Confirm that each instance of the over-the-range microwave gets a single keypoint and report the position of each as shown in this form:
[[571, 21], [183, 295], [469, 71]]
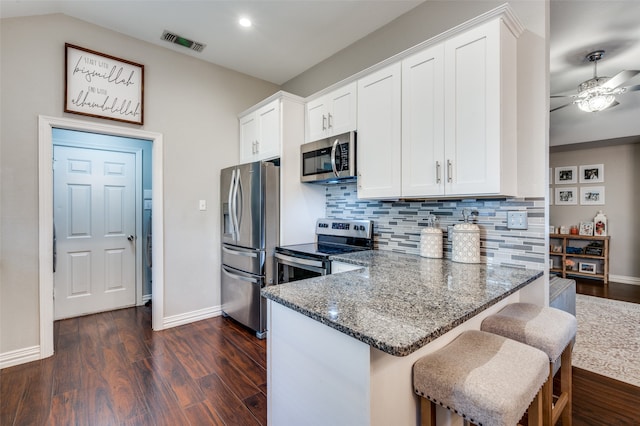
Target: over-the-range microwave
[[329, 160]]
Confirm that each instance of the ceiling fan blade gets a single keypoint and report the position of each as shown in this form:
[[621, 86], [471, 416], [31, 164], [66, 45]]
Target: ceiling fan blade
[[633, 88], [562, 96], [620, 78], [561, 106]]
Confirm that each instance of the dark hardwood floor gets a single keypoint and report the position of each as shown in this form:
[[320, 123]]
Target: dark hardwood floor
[[111, 369]]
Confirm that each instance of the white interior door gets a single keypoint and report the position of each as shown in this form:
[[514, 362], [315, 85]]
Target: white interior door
[[94, 222]]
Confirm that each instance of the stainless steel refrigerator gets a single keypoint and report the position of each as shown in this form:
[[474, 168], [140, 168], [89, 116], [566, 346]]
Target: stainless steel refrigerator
[[250, 232]]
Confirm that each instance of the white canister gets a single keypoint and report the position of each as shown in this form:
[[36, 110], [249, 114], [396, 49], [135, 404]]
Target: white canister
[[466, 243], [431, 243]]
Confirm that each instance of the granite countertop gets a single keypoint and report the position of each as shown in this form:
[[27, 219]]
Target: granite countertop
[[397, 302]]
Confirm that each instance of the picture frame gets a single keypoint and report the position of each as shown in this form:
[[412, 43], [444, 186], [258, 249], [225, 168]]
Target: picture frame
[[591, 173], [587, 268], [566, 196], [566, 175], [592, 195], [103, 86], [586, 228]]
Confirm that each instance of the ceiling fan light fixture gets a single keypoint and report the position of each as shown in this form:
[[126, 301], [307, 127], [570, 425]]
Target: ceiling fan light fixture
[[596, 102]]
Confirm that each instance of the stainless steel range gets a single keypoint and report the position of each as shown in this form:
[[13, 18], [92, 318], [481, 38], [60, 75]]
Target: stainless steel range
[[333, 236]]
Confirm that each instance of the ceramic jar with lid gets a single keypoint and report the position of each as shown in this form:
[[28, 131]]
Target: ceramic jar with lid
[[431, 239], [466, 242]]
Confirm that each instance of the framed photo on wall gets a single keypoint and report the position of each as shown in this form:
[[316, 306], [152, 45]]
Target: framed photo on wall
[[103, 86], [593, 173], [591, 195], [566, 196], [566, 175]]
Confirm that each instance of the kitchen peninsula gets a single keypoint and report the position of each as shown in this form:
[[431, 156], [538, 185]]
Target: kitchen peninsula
[[340, 347]]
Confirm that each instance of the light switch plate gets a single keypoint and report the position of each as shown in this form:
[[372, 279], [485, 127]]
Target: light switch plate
[[517, 220], [203, 205]]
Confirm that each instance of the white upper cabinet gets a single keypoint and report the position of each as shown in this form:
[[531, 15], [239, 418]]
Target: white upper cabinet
[[260, 133], [423, 100], [480, 111], [379, 132], [331, 114]]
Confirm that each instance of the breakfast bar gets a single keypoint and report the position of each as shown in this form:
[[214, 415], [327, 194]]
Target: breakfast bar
[[340, 347]]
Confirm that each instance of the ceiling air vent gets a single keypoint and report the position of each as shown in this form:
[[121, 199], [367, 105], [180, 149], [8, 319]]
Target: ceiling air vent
[[176, 39]]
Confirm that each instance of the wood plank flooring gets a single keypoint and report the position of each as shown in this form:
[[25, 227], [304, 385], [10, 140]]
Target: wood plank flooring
[[111, 369]]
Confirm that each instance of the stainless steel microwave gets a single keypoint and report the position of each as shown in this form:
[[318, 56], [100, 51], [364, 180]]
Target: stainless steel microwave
[[329, 160]]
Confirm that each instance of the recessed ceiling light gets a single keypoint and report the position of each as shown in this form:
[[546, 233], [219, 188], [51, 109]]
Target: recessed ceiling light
[[245, 22]]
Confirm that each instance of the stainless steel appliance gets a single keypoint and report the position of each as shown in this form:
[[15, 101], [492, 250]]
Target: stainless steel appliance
[[330, 160], [250, 232], [333, 236]]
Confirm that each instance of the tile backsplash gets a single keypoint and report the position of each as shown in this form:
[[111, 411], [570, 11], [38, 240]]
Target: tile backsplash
[[397, 224]]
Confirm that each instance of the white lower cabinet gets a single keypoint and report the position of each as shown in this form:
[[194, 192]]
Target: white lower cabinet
[[378, 145]]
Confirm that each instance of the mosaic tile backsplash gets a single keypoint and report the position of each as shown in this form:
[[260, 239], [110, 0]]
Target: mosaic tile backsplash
[[397, 224]]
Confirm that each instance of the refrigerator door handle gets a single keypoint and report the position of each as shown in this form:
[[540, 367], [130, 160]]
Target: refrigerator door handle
[[240, 277], [240, 253], [232, 204], [238, 202]]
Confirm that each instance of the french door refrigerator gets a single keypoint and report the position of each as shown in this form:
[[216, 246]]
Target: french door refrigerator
[[250, 232]]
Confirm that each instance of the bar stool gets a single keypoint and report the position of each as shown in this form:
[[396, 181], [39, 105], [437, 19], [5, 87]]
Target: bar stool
[[550, 330], [485, 378]]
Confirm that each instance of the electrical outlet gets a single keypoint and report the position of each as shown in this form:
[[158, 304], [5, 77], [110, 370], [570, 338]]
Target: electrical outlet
[[517, 220]]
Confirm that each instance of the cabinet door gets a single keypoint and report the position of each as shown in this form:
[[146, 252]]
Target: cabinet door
[[316, 116], [248, 138], [472, 111], [268, 118], [378, 153], [341, 115], [423, 123]]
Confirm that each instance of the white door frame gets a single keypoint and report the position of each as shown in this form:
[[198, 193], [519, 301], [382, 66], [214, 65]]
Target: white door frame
[[45, 217]]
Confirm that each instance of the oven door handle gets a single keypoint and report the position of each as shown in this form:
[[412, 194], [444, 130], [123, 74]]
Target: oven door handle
[[298, 262]]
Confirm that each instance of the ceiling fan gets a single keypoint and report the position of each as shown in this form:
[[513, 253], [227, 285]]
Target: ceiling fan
[[599, 93]]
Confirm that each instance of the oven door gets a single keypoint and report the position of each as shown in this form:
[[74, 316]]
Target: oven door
[[292, 268]]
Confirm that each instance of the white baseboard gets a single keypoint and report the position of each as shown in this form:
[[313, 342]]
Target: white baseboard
[[624, 280], [189, 317], [19, 356]]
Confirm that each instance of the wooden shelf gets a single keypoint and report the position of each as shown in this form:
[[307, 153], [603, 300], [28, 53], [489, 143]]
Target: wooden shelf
[[602, 262]]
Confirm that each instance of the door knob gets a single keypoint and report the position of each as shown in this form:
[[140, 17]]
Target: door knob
[[131, 238]]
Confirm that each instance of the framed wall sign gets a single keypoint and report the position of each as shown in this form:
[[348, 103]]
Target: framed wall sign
[[104, 86]]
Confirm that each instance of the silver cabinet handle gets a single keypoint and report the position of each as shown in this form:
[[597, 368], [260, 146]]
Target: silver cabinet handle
[[449, 171], [324, 122], [438, 179], [329, 120]]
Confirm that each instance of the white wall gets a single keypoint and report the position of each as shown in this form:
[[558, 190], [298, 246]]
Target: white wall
[[192, 103], [622, 203]]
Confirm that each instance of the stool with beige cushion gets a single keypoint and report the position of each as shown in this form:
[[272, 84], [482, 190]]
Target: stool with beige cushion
[[485, 378], [550, 330]]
